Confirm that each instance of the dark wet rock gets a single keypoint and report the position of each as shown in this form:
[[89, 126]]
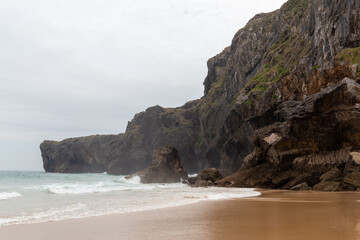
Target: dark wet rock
[[191, 180], [210, 174], [328, 186], [298, 178], [166, 167], [202, 183], [205, 178], [353, 178], [331, 175]]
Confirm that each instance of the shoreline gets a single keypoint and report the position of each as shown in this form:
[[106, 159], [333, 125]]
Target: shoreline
[[275, 214], [187, 198]]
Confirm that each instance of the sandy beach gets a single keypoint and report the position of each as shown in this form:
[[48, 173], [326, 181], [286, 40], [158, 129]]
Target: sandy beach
[[274, 215]]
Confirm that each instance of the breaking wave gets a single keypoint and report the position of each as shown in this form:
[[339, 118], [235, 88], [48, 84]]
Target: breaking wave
[[8, 195], [120, 184]]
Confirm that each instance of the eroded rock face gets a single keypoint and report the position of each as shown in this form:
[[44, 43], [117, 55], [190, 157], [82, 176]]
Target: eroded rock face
[[313, 143], [85, 154], [166, 167], [131, 151]]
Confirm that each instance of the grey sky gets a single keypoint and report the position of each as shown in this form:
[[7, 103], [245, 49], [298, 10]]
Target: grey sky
[[80, 67]]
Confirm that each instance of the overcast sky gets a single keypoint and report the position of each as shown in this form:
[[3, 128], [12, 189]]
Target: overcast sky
[[81, 67]]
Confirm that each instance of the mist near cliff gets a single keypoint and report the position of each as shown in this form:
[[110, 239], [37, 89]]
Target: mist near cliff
[[76, 68]]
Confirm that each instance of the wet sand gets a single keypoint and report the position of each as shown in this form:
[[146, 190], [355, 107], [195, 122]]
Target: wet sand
[[275, 215]]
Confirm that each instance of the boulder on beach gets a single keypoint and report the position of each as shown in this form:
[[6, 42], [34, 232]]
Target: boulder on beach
[[166, 167], [205, 178]]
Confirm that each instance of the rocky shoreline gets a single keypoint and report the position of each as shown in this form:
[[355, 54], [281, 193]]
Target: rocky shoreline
[[323, 132], [280, 109]]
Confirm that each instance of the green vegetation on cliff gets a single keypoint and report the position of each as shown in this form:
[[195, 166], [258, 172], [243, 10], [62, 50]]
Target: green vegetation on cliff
[[295, 6], [349, 55], [285, 53], [212, 98]]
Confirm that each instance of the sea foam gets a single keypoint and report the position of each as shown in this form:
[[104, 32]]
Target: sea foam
[[120, 184], [55, 214], [8, 195]]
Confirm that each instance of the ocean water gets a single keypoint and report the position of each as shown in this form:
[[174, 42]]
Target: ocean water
[[31, 197]]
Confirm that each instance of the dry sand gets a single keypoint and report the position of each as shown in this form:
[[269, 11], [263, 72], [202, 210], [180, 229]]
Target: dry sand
[[275, 215]]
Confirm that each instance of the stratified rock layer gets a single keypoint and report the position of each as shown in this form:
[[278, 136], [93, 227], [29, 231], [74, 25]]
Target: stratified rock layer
[[312, 144], [276, 65], [166, 167]]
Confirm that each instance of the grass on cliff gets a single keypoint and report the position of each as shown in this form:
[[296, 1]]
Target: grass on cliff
[[211, 99], [280, 61], [349, 55], [285, 53], [179, 115], [295, 5]]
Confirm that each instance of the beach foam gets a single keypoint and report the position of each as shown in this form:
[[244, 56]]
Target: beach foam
[[54, 214], [120, 184], [8, 195]]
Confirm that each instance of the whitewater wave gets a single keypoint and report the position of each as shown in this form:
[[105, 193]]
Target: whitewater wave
[[8, 195], [133, 180], [120, 184], [81, 188], [244, 193]]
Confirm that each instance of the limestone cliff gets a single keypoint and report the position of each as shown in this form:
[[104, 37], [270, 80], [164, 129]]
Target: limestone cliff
[[277, 59]]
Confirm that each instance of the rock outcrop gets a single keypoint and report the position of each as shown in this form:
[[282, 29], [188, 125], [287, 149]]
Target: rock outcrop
[[166, 167], [85, 154], [131, 151], [312, 144], [210, 174], [205, 178], [280, 68]]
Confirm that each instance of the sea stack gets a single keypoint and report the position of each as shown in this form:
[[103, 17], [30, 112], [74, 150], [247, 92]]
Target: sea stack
[[165, 167]]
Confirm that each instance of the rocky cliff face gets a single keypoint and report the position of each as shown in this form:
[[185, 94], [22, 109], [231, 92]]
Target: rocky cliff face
[[132, 151], [313, 145], [277, 59]]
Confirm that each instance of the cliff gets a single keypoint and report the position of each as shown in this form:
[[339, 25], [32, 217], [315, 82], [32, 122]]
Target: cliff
[[278, 60]]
